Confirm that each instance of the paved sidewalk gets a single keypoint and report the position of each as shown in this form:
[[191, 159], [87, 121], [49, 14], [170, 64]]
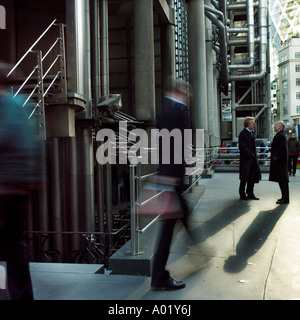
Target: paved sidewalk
[[242, 250]]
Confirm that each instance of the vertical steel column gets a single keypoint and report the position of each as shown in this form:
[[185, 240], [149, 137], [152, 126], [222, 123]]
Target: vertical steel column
[[144, 60], [43, 193], [211, 92], [168, 51], [79, 87], [268, 91], [86, 136], [56, 194], [88, 179], [197, 62], [109, 217], [105, 92], [96, 70], [233, 89], [233, 112], [72, 170], [104, 49], [96, 89], [78, 48], [168, 54]]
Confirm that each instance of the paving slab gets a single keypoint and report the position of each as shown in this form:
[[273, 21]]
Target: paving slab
[[240, 250]]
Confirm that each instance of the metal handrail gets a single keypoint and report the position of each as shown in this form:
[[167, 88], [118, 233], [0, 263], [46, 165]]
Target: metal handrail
[[52, 82], [24, 83], [135, 204], [148, 225], [113, 233], [53, 45], [150, 199], [53, 63], [191, 186], [222, 154], [30, 49], [31, 94]]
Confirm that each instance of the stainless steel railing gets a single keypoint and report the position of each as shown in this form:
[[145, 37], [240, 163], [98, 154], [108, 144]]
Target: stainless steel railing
[[217, 157], [136, 180], [40, 87]]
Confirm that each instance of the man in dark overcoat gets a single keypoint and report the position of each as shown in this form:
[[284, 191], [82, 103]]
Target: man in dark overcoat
[[279, 162], [249, 168]]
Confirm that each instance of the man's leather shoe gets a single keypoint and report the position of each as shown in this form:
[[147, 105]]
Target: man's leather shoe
[[169, 284], [252, 197], [244, 197], [281, 201]]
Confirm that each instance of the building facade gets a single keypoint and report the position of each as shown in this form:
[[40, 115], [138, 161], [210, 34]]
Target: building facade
[[98, 62], [289, 81], [284, 23]]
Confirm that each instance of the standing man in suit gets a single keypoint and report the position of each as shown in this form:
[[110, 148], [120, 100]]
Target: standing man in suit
[[279, 162], [249, 168]]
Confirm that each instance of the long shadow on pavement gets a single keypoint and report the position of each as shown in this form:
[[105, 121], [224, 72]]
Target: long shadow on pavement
[[190, 251], [219, 221], [253, 238]]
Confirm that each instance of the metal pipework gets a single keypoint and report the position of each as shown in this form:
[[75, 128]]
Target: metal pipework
[[78, 49], [251, 40], [215, 11], [210, 13], [240, 5], [96, 70], [241, 41], [105, 48], [263, 30]]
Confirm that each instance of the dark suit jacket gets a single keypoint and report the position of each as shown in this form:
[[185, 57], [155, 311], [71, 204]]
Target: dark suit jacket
[[279, 159], [249, 168], [174, 116]]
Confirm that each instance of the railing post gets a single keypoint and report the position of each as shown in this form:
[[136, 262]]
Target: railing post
[[133, 215], [41, 102], [63, 78], [135, 187], [190, 183], [138, 201]]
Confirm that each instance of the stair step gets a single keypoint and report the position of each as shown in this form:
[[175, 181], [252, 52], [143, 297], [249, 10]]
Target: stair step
[[49, 95]]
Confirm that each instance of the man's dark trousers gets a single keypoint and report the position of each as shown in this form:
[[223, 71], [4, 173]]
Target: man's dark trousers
[[249, 190]]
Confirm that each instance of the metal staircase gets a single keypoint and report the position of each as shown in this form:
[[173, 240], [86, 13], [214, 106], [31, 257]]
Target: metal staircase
[[46, 83]]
